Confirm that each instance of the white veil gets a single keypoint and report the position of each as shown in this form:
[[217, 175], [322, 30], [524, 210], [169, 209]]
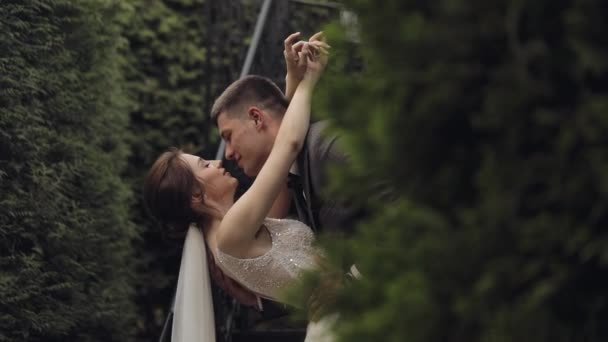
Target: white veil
[[193, 311]]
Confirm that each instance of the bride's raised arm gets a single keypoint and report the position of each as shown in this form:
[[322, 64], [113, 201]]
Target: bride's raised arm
[[296, 69], [242, 221]]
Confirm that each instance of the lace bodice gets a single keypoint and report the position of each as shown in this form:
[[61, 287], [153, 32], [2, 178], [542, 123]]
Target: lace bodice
[[291, 252]]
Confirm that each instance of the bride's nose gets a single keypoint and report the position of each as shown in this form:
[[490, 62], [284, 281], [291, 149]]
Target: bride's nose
[[216, 163]]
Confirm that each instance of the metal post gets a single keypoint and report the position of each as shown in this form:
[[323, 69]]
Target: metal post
[[255, 40], [332, 5]]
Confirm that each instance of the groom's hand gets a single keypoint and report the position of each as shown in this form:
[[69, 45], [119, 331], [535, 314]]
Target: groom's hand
[[231, 287]]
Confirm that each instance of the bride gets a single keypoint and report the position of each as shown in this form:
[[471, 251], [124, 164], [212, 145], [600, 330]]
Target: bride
[[262, 254]]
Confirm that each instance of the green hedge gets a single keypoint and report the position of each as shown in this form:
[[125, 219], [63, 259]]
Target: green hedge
[[65, 233], [489, 121], [172, 76]]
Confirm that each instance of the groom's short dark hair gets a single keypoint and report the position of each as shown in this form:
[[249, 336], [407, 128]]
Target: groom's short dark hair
[[250, 90]]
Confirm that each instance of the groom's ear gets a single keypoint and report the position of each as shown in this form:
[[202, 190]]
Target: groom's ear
[[255, 114]]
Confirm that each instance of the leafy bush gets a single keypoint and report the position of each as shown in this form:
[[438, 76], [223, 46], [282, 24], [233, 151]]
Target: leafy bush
[[489, 121], [65, 234]]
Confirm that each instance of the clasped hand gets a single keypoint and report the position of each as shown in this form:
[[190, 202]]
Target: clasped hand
[[305, 58]]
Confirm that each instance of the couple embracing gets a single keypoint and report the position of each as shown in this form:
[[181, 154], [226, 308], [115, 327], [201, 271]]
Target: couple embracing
[[253, 247]]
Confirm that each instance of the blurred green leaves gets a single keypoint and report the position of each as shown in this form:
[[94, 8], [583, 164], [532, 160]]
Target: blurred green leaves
[[488, 122], [65, 232]]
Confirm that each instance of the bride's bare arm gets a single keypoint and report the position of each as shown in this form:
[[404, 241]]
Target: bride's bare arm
[[296, 67]]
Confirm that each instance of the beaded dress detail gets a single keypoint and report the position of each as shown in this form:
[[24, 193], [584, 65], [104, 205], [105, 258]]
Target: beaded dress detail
[[291, 252]]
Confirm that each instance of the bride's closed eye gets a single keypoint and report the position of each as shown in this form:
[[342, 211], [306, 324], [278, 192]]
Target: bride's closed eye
[[204, 163]]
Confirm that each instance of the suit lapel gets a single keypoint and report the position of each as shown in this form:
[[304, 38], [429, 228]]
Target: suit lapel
[[304, 165]]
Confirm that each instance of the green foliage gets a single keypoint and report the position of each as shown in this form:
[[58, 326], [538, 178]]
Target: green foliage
[[489, 121], [176, 57], [65, 233]]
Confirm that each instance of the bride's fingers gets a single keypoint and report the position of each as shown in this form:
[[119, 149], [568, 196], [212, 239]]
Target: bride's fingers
[[289, 40], [307, 49], [321, 50], [317, 36], [302, 59], [316, 51], [298, 46], [318, 43]]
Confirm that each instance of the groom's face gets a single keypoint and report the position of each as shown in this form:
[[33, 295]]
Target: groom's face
[[246, 142]]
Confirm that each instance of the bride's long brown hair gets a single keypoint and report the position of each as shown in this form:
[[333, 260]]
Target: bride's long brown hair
[[168, 191]]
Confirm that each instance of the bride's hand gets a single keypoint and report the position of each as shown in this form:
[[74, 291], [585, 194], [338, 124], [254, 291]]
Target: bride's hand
[[295, 67], [315, 55]]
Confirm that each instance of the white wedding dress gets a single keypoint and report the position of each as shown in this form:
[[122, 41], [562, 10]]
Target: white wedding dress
[[291, 252]]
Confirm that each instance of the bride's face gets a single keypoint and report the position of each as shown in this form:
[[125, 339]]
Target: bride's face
[[217, 182]]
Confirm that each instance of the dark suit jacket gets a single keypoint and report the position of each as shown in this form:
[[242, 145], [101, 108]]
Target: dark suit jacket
[[325, 214]]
